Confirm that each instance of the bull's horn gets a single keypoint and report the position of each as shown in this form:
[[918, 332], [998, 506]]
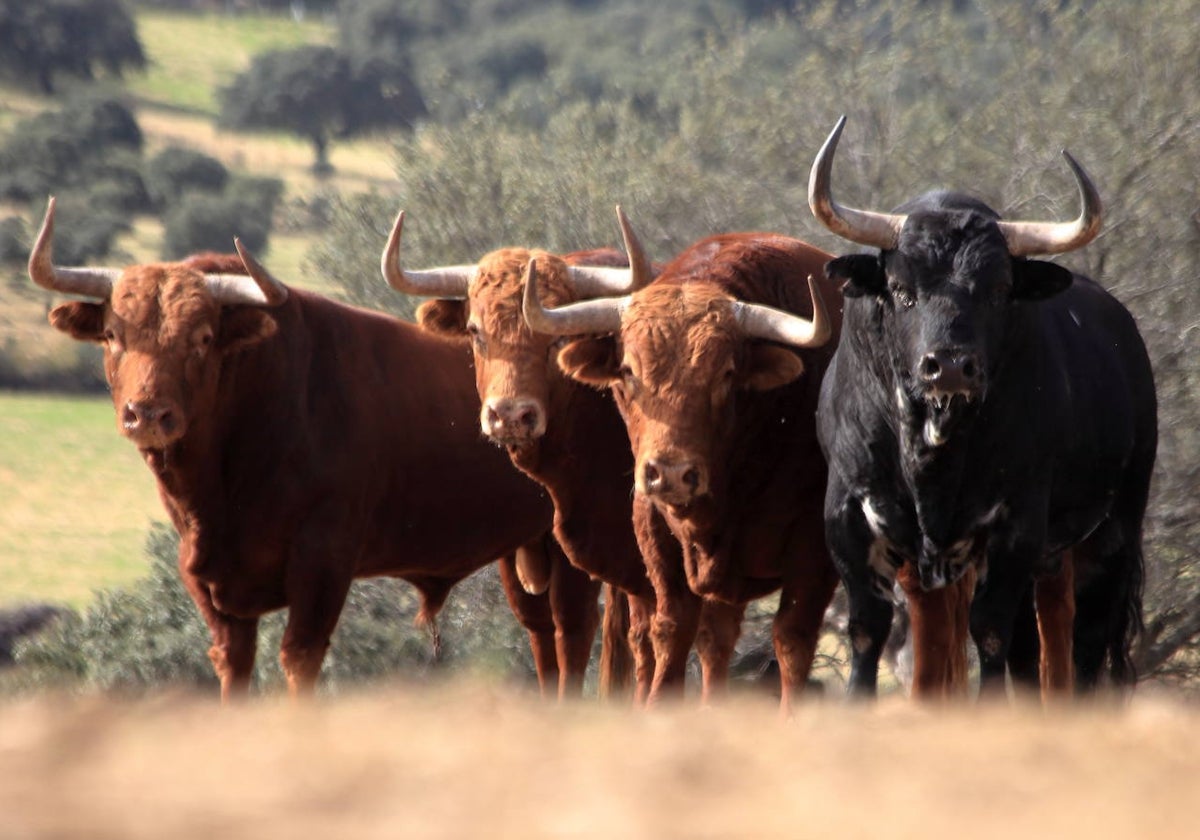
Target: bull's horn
[[1026, 238], [90, 282], [758, 321], [259, 289], [639, 263], [601, 315], [866, 227], [448, 282], [592, 281]]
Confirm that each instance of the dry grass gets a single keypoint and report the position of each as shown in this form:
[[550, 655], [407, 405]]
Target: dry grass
[[470, 760]]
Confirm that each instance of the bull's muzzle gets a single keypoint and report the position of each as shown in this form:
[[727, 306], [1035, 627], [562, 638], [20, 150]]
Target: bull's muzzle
[[512, 421], [151, 423], [951, 371], [675, 481]]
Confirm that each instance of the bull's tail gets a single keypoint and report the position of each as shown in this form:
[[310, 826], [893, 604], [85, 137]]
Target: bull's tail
[[616, 659]]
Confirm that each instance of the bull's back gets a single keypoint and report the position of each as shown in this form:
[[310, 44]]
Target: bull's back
[[389, 449]]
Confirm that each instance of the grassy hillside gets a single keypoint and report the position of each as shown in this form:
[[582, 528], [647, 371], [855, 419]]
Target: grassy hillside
[[190, 55], [75, 500]]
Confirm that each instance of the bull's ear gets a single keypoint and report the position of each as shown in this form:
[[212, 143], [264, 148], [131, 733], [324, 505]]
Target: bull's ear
[[243, 327], [592, 361], [443, 317], [771, 367], [1038, 280], [82, 321], [862, 274]]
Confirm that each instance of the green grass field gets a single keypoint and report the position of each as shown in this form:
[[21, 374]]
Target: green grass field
[[190, 56], [76, 502]]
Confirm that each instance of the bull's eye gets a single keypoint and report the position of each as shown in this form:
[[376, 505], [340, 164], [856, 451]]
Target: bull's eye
[[628, 379], [903, 297], [477, 338]]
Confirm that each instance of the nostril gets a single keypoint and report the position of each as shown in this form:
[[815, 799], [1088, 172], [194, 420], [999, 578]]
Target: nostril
[[930, 367], [166, 420], [492, 417], [652, 475], [528, 418], [691, 477], [969, 369], [129, 417]]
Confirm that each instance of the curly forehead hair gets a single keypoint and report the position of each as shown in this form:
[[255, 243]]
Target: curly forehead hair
[[165, 301], [689, 322], [498, 286]]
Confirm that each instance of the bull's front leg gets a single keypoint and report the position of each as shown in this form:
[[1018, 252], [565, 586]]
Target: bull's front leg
[[720, 627], [850, 544], [677, 609], [573, 596], [234, 642]]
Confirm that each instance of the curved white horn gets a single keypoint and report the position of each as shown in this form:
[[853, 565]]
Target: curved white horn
[[865, 227], [90, 282], [258, 289], [1027, 238], [448, 282], [601, 315], [758, 321]]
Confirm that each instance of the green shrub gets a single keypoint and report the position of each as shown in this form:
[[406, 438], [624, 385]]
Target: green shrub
[[175, 171]]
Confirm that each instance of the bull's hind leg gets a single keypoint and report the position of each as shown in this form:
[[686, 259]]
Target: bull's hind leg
[[616, 661], [234, 642], [1055, 596], [797, 628], [533, 613], [576, 617], [1109, 576], [720, 627]]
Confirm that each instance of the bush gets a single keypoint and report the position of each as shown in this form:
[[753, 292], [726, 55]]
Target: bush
[[151, 636], [175, 171]]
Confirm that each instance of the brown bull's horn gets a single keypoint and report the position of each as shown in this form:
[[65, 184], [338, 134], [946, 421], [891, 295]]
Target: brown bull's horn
[[260, 289], [639, 263], [758, 321], [449, 282], [90, 282], [880, 230], [1027, 238], [602, 315]]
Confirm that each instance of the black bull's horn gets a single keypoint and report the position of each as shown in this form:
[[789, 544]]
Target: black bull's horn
[[259, 289], [882, 230]]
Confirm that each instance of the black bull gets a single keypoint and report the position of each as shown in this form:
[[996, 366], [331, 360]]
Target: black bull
[[984, 409]]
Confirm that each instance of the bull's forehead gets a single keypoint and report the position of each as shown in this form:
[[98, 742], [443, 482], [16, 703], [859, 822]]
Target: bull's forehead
[[950, 245], [674, 332], [496, 290], [162, 303]]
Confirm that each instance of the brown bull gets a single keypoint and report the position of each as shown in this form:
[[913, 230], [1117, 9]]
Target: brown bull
[[729, 480], [567, 436], [299, 444]]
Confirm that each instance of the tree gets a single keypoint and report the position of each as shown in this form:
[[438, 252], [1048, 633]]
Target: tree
[[315, 92], [49, 38]]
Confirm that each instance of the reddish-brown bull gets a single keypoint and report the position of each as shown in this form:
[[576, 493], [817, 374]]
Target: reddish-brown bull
[[729, 480], [567, 436], [298, 444]]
